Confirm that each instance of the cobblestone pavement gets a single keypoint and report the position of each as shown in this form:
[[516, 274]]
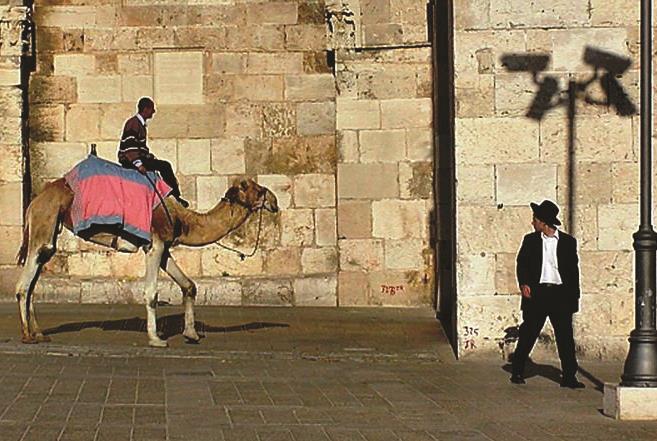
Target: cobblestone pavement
[[369, 375]]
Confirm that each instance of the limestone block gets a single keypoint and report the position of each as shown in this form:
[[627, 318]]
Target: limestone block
[[259, 87], [367, 181], [476, 95], [619, 13], [102, 40], [83, 122], [325, 227], [594, 317], [478, 141], [219, 262], [387, 81], [594, 183], [11, 203], [274, 63], [355, 219], [505, 274], [74, 65], [54, 159], [415, 180], [283, 13], [11, 163], [209, 38], [406, 113], [472, 15], [312, 87], [316, 291], [353, 289], [306, 37], [519, 184], [278, 120], [56, 290], [299, 155], [473, 229], [265, 292], [209, 191], [319, 260], [228, 156], [229, 62], [157, 38], [219, 292], [89, 264], [11, 237], [134, 64], [316, 118], [10, 130], [194, 156], [515, 92], [66, 16], [476, 274], [404, 254], [189, 260], [314, 191], [283, 261], [568, 46], [297, 227], [47, 123], [625, 182], [267, 38], [629, 403], [357, 114], [622, 314], [363, 255], [382, 145], [419, 145], [113, 118], [11, 100], [178, 77], [399, 288], [483, 320], [52, 89], [481, 51], [616, 225], [281, 186], [10, 77], [219, 88], [348, 150], [585, 227], [397, 219], [475, 184], [606, 272], [130, 266], [133, 87], [543, 13], [383, 34]]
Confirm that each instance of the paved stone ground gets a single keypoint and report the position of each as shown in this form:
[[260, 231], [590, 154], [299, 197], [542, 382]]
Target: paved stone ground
[[282, 374]]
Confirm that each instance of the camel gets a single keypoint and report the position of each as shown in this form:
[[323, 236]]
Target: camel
[[48, 212]]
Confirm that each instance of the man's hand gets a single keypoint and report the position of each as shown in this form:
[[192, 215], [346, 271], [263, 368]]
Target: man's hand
[[525, 291], [142, 169]]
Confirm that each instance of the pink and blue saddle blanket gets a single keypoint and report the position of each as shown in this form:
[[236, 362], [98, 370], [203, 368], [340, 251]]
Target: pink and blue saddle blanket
[[109, 196]]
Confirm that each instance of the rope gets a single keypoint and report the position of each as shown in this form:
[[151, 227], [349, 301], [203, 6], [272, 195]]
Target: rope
[[255, 248], [166, 210]]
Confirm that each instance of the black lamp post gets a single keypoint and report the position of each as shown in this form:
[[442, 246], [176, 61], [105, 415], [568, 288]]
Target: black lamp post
[[641, 365]]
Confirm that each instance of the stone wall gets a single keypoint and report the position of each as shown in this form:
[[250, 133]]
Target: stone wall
[[253, 88], [506, 159]]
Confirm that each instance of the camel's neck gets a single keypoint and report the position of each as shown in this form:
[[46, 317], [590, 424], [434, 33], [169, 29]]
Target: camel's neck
[[201, 229]]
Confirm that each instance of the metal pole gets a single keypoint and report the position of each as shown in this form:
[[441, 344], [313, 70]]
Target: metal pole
[[641, 364]]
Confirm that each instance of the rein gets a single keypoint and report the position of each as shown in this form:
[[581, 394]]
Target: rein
[[238, 252]]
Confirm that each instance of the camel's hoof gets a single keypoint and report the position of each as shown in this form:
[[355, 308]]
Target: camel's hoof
[[29, 340], [191, 338], [42, 338], [159, 343]]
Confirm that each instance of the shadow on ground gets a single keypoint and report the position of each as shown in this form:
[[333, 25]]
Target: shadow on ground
[[168, 326], [533, 369]]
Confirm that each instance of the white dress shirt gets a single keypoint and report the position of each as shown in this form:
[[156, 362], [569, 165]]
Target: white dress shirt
[[550, 269]]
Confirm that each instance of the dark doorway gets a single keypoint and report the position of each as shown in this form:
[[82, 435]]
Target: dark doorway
[[444, 218]]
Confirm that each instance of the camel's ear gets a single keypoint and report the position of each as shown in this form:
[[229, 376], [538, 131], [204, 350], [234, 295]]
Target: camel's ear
[[244, 185]]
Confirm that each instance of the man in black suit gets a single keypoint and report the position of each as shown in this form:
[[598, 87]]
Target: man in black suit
[[548, 275]]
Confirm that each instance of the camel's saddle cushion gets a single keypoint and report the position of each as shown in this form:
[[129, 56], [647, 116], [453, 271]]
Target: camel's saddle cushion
[[106, 194]]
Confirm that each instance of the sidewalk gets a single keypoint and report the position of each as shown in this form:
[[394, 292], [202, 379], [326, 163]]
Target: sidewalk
[[281, 374]]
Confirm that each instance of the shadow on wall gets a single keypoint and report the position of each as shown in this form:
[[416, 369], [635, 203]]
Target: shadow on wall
[[606, 70]]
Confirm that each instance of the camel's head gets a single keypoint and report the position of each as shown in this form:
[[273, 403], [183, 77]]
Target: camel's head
[[248, 193]]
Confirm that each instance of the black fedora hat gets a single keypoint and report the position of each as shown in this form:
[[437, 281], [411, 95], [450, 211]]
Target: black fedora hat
[[547, 212]]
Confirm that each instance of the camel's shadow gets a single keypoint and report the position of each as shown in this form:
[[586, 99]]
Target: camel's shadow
[[168, 326]]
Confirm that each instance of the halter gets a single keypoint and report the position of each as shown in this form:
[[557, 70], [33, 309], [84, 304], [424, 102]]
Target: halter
[[260, 204]]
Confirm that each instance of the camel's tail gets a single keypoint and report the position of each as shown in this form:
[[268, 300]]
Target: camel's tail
[[22, 252]]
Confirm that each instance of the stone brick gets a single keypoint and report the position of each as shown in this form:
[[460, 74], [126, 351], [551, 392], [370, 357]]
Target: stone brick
[[316, 291], [135, 87], [283, 261], [367, 181], [383, 34], [228, 156], [618, 13], [297, 227], [299, 155], [255, 38], [419, 145], [259, 87], [11, 203], [348, 148], [53, 160], [219, 292], [229, 63], [358, 114], [10, 130], [473, 230], [10, 77], [134, 64], [519, 14], [219, 88], [89, 264], [189, 260], [395, 219], [74, 65], [353, 289], [476, 97], [83, 123], [306, 37], [272, 13], [606, 272], [11, 100], [616, 225], [11, 163], [178, 77], [476, 274], [415, 180], [354, 219], [399, 288], [47, 123], [382, 145], [625, 182], [155, 38], [314, 191], [319, 260], [66, 16], [219, 262], [194, 156], [209, 38], [404, 254], [472, 15], [265, 292], [505, 274], [567, 47], [387, 81], [361, 255], [99, 89], [11, 237], [56, 290], [278, 120], [522, 183], [281, 186], [129, 266], [593, 182], [490, 316], [317, 62], [478, 141], [514, 93], [107, 64], [112, 120], [52, 89], [319, 87], [316, 118], [274, 63], [325, 227], [406, 113], [476, 184], [585, 227], [209, 191]]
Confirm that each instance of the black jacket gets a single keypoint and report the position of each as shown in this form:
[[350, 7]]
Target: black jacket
[[528, 271]]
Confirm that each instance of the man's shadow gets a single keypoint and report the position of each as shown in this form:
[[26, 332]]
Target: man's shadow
[[168, 326]]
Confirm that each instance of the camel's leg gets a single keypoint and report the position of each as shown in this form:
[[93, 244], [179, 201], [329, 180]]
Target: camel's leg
[[189, 295], [34, 326], [24, 295], [153, 261]]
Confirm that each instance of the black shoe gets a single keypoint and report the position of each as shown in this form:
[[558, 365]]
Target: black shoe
[[517, 379], [182, 202], [572, 383]]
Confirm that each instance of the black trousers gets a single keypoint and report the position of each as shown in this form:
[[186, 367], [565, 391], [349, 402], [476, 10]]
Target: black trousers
[[165, 169], [533, 320]]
